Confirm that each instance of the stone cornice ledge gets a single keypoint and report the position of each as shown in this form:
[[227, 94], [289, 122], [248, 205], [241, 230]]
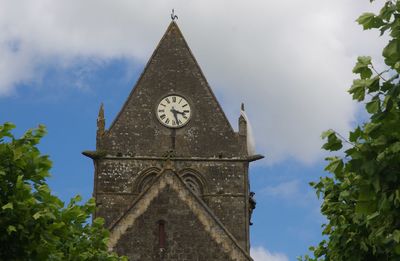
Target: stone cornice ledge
[[104, 155]]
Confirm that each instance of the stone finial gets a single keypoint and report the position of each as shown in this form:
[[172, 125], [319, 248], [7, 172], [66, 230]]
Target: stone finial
[[242, 121], [101, 122]]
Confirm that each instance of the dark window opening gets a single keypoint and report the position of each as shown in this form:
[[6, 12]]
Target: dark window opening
[[161, 235]]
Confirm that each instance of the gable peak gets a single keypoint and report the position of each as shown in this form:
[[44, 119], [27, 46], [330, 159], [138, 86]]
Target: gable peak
[[172, 29]]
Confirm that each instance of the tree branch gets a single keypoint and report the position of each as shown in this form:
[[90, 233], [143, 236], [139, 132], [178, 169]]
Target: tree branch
[[379, 74]]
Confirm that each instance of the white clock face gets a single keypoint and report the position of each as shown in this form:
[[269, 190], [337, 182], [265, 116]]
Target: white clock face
[[173, 111]]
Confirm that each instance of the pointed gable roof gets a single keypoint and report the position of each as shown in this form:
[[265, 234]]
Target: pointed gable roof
[[170, 36], [172, 69], [169, 179]]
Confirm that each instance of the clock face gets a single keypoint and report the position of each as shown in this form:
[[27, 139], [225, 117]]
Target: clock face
[[173, 111]]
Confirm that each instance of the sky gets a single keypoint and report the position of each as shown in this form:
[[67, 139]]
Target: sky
[[289, 61]]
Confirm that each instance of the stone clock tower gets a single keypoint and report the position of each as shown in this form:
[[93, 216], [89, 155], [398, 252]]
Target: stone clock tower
[[171, 175]]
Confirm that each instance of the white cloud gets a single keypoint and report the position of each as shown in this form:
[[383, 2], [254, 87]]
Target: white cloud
[[286, 190], [262, 254], [289, 61], [293, 192]]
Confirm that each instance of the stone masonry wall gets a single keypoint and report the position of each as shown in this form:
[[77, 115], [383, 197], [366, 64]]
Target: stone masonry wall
[[185, 237], [224, 189]]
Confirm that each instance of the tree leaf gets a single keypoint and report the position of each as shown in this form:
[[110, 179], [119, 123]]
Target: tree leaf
[[37, 215], [362, 67], [333, 143], [358, 89], [395, 147], [397, 249], [369, 20], [372, 216], [396, 235], [11, 229], [392, 52], [372, 84], [387, 11], [355, 135], [365, 207], [8, 206], [335, 165], [373, 106], [327, 133]]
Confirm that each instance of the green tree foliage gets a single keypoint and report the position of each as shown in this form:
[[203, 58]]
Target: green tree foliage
[[362, 197], [34, 224]]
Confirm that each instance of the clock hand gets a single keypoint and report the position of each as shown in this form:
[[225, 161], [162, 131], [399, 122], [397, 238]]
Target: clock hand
[[176, 119], [175, 112], [183, 113]]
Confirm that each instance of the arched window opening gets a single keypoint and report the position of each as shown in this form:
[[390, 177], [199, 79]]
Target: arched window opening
[[193, 184], [144, 179], [146, 182]]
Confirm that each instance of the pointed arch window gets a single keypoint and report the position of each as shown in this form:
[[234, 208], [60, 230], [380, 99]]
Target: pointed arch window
[[146, 181], [193, 183]]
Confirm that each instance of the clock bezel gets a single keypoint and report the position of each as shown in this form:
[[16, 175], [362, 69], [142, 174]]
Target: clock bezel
[[178, 95]]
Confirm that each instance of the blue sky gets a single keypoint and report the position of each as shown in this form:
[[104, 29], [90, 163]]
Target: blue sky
[[289, 62]]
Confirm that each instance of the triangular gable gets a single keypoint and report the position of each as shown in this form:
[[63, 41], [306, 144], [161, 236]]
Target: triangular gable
[[172, 28], [211, 224], [172, 69]]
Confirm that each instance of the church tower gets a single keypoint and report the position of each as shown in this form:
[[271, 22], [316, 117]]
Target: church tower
[[171, 175]]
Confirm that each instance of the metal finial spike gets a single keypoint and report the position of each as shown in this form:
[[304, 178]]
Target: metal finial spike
[[173, 16], [242, 107]]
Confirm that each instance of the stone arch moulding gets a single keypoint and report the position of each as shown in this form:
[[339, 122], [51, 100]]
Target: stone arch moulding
[[145, 178], [194, 179]]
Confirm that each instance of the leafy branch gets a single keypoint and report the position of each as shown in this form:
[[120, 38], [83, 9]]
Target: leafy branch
[[35, 224], [362, 197]]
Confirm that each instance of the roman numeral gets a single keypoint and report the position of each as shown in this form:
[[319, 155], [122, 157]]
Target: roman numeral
[[186, 111], [162, 116], [184, 117], [160, 110], [162, 104], [173, 99], [173, 123], [179, 122], [184, 105], [167, 121], [180, 101], [167, 100]]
